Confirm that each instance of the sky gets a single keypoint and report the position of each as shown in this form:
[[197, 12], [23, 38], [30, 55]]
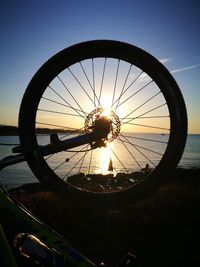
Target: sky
[[33, 31]]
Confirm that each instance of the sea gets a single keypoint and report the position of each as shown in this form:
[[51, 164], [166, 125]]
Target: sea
[[19, 174]]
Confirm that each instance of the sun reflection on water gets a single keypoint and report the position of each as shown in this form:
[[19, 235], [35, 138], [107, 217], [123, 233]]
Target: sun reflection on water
[[105, 159]]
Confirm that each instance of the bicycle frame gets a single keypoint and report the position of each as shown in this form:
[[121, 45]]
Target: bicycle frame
[[28, 223], [55, 146]]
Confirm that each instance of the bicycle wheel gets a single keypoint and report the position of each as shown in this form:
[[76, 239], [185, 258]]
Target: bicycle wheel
[[127, 87]]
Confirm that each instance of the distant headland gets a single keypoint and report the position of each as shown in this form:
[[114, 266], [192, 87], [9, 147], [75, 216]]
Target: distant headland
[[8, 130]]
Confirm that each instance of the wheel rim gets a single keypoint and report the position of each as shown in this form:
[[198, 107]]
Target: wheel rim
[[78, 93]]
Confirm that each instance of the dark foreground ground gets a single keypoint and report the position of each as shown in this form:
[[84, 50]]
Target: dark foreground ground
[[162, 230]]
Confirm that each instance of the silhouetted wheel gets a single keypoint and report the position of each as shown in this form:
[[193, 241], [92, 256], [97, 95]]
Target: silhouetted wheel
[[102, 86]]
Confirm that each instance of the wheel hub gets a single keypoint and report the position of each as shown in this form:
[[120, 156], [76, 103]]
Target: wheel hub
[[104, 123], [102, 126]]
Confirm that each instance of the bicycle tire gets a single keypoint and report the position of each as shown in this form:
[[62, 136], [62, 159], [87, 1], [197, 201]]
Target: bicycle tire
[[107, 49]]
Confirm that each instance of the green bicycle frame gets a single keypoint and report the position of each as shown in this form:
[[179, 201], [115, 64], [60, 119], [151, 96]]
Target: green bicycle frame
[[30, 224]]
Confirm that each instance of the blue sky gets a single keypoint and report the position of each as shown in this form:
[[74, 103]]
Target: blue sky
[[33, 31]]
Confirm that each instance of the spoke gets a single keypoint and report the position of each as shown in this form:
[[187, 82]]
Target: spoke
[[74, 166], [139, 150], [90, 161], [59, 112], [150, 150], [93, 78], [119, 159], [149, 117], [48, 157], [115, 85], [59, 165], [83, 160], [142, 105], [69, 158], [63, 150], [144, 139], [139, 90], [78, 111], [71, 94], [61, 104], [102, 80], [146, 112], [79, 151], [61, 126], [92, 87], [148, 126], [122, 91], [81, 85], [130, 152]]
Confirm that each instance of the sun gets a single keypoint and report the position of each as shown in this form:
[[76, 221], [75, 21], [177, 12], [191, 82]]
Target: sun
[[106, 104]]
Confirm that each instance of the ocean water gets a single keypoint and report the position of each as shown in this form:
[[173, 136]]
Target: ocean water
[[16, 175]]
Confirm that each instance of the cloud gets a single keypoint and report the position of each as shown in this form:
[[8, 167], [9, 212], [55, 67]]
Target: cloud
[[146, 78], [165, 60], [185, 68]]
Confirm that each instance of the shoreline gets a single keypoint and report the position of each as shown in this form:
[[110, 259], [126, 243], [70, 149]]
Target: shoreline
[[193, 173]]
